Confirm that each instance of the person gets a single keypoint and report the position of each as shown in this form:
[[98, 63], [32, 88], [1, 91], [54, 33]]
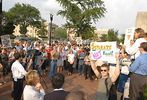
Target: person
[[1, 71], [53, 64], [18, 73], [140, 37], [33, 90], [87, 67], [70, 61], [105, 81], [4, 61], [125, 62], [76, 95], [81, 56], [138, 77], [58, 93], [60, 60]]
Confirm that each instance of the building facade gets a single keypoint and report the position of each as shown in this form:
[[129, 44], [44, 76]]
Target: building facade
[[141, 20]]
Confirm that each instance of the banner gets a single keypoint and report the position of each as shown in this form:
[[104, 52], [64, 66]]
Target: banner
[[6, 41], [104, 51], [129, 35]]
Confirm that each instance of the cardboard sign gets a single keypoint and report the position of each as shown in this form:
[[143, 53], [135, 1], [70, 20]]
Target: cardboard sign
[[104, 51], [6, 41]]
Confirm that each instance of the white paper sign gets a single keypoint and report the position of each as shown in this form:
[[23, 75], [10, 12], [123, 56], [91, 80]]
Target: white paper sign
[[129, 35], [104, 51], [79, 40], [6, 41]]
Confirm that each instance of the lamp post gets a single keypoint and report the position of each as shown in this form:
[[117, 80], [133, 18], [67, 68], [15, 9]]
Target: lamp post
[[51, 19], [0, 17]]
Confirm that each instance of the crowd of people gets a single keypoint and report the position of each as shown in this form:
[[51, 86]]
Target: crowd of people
[[28, 61]]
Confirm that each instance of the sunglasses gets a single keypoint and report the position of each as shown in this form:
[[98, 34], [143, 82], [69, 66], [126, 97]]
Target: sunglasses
[[103, 70]]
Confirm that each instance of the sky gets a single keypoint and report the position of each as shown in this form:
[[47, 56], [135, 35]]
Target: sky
[[120, 15]]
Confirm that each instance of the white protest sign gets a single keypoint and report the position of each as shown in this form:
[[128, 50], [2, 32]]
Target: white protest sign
[[104, 51], [79, 40], [6, 41], [129, 35]]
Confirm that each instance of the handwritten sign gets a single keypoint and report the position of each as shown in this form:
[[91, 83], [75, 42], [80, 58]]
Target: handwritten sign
[[104, 51], [79, 40], [129, 35], [6, 41]]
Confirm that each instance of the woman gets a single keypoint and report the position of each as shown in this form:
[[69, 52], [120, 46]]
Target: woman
[[133, 48], [70, 59], [33, 90]]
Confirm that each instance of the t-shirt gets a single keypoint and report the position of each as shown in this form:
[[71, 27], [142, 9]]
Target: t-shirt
[[71, 58], [101, 93]]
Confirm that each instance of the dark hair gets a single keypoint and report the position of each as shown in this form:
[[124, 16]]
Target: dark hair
[[144, 46], [105, 65], [141, 32], [57, 81], [13, 47], [17, 56]]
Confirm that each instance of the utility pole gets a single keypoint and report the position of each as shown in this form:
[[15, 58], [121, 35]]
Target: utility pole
[[0, 17], [51, 19]]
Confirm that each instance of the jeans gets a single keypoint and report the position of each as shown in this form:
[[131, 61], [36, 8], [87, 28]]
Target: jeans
[[81, 66], [53, 68]]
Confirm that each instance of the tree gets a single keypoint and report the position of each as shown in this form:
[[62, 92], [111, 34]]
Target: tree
[[7, 25], [24, 15], [42, 31], [60, 32], [81, 13], [111, 36], [122, 38]]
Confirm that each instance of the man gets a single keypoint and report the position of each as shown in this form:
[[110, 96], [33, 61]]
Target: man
[[18, 73], [58, 93], [138, 78]]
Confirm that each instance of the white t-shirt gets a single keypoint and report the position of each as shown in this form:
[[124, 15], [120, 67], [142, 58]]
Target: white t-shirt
[[71, 58]]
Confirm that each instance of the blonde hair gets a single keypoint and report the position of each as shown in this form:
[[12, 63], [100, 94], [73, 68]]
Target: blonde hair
[[31, 77]]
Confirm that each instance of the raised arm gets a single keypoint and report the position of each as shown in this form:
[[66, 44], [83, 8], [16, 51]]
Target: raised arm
[[116, 72], [94, 68]]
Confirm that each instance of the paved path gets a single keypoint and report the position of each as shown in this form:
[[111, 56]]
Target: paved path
[[72, 83]]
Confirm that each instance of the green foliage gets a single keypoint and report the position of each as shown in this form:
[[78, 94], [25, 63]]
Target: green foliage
[[122, 38], [60, 32], [24, 15], [7, 26], [81, 13], [42, 32], [111, 36]]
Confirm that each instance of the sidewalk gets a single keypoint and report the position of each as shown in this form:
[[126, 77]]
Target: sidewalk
[[72, 83]]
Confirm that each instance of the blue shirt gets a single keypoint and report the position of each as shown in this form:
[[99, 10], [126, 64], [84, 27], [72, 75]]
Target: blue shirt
[[139, 66]]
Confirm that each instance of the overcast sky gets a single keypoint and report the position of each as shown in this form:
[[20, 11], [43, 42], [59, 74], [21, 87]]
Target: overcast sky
[[121, 14]]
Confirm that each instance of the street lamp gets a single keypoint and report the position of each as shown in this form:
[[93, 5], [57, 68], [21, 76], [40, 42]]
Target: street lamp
[[51, 19], [0, 17]]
